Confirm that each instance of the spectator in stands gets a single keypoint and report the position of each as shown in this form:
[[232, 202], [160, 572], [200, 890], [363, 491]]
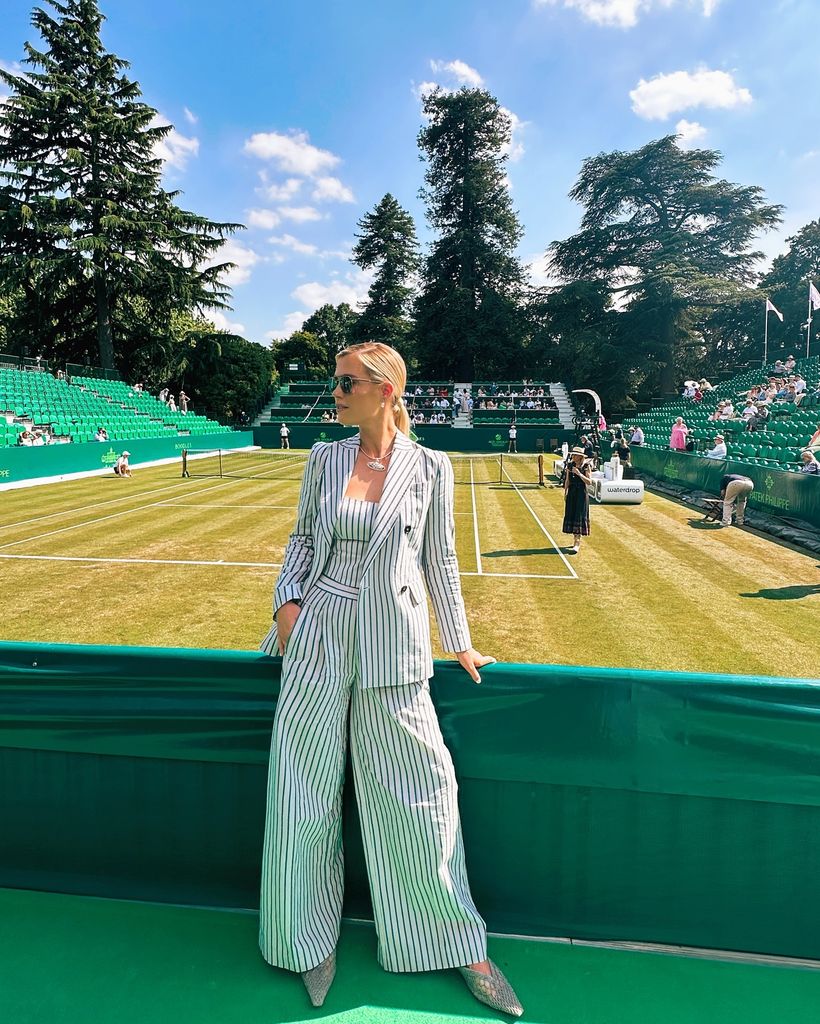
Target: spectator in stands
[[163, 395], [589, 448], [636, 435], [512, 435], [688, 390], [735, 490], [748, 410], [704, 385], [719, 451], [172, 405], [183, 403], [601, 423], [790, 363], [809, 463], [779, 367], [121, 467], [38, 440], [814, 440], [101, 435], [284, 436], [677, 439], [621, 449], [138, 387], [760, 418]]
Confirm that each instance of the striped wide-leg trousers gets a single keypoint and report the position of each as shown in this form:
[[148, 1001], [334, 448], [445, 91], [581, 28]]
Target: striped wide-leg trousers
[[407, 797]]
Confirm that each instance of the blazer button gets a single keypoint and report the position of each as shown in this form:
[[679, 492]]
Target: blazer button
[[403, 590], [407, 529]]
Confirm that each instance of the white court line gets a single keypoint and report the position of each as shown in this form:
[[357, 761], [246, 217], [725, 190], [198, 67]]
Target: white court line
[[574, 574], [475, 523], [116, 515], [505, 575], [141, 561], [221, 562], [189, 504]]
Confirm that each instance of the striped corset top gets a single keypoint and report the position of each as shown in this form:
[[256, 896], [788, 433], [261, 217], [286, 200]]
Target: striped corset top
[[351, 536]]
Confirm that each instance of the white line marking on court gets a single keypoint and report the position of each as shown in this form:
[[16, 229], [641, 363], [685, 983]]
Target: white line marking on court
[[190, 504], [546, 533], [512, 575], [141, 561], [116, 515], [475, 523]]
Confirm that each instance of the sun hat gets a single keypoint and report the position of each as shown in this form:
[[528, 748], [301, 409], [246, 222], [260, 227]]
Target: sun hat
[[126, 453], [577, 451], [719, 437]]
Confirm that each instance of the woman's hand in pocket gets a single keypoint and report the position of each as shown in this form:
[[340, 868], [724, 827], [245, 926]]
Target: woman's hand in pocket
[[286, 618]]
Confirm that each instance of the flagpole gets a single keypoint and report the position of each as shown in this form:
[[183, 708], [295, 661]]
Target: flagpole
[[766, 334], [808, 325]]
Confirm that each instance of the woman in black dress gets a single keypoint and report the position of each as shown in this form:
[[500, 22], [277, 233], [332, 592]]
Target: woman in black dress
[[576, 507]]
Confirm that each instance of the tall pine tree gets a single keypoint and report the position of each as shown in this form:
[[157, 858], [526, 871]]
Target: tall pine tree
[[84, 221], [467, 315], [388, 243]]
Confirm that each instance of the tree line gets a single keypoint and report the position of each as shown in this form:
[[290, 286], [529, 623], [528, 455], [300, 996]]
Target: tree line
[[660, 281]]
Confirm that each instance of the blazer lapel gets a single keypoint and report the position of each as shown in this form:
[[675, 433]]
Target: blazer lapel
[[403, 467], [334, 483]]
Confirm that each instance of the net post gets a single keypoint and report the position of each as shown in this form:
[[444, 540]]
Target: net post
[[185, 462], [501, 468], [541, 470], [221, 474]]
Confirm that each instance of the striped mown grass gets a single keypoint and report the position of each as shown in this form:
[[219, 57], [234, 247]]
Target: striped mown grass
[[148, 561]]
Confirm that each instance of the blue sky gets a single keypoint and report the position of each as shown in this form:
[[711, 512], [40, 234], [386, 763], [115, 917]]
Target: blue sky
[[295, 119]]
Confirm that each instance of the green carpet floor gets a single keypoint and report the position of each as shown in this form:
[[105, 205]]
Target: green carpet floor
[[71, 960]]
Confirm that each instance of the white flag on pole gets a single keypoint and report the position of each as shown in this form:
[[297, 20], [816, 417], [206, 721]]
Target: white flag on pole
[[771, 308], [814, 296]]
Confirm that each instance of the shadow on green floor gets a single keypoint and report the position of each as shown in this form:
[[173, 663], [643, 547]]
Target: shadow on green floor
[[71, 960]]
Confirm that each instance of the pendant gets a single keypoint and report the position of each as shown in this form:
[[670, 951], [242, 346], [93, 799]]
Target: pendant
[[377, 465]]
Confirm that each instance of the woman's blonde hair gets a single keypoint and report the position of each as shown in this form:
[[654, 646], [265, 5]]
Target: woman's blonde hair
[[385, 364]]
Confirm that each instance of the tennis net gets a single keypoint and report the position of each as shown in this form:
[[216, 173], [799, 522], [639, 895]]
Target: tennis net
[[259, 464], [498, 469]]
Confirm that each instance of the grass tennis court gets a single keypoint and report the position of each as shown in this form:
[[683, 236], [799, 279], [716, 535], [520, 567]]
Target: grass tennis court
[[161, 560]]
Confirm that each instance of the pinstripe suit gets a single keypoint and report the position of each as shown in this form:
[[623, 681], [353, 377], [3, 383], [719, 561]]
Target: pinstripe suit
[[368, 649]]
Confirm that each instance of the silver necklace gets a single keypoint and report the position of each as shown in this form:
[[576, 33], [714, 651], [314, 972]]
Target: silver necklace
[[375, 462]]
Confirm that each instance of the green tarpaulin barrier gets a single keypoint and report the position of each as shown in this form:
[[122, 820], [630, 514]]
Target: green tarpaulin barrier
[[596, 803]]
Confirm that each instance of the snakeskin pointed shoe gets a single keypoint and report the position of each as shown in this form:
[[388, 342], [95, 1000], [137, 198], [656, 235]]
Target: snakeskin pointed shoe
[[493, 990], [319, 979]]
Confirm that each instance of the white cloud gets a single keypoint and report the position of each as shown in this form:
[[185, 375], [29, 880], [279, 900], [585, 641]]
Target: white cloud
[[623, 13], [291, 323], [289, 242], [540, 272], [190, 116], [666, 94], [281, 192], [352, 288], [291, 153], [689, 133], [461, 72], [423, 90], [245, 259], [12, 67], [514, 149], [222, 323], [331, 190], [300, 214], [266, 219], [176, 149]]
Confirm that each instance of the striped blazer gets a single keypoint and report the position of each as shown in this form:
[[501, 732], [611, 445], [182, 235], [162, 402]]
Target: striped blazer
[[413, 540]]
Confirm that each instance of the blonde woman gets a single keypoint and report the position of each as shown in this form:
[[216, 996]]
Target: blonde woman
[[375, 521]]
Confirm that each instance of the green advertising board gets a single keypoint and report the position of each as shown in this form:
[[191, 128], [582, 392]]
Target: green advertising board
[[548, 437], [18, 464], [777, 491]]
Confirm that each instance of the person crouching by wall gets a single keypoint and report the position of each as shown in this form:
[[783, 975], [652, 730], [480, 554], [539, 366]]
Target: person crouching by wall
[[576, 499], [735, 490], [121, 467]]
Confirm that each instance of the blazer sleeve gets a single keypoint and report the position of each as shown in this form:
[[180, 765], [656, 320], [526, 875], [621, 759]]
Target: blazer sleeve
[[299, 551], [440, 564]]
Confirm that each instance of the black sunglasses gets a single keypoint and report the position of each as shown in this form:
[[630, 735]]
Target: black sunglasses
[[346, 382]]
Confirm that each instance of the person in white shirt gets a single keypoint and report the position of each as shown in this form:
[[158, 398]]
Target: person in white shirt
[[727, 412], [637, 436], [121, 467], [284, 436], [101, 435], [749, 410], [512, 433], [183, 403], [172, 405], [719, 451]]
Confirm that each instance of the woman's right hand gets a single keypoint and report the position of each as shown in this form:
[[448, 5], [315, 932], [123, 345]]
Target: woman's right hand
[[286, 618]]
